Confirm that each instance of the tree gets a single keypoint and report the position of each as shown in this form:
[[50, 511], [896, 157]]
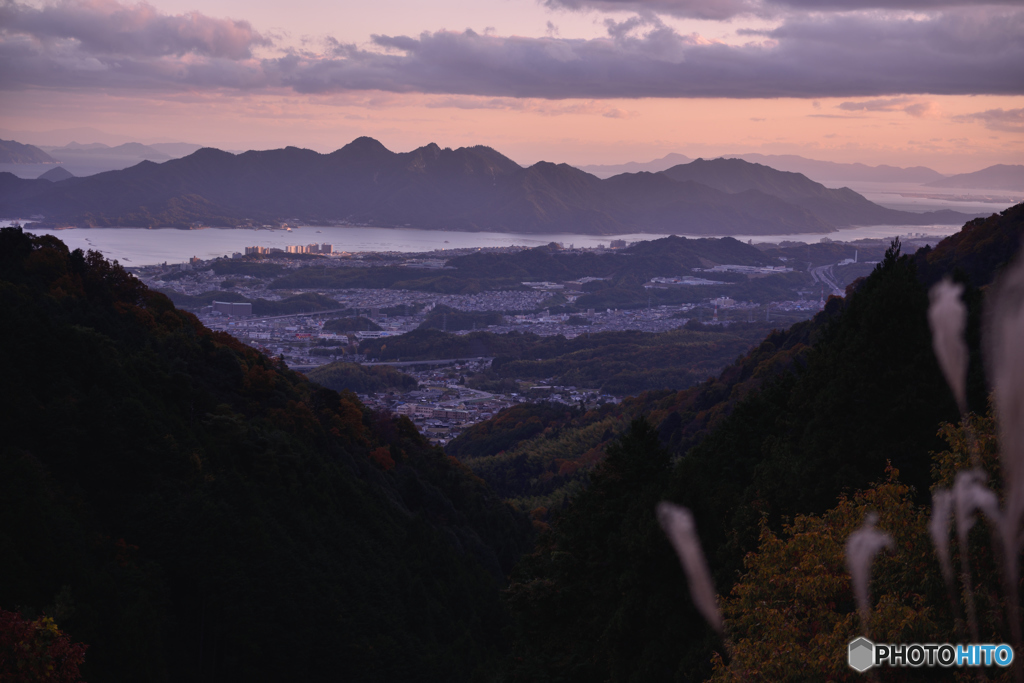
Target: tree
[[37, 651], [792, 613]]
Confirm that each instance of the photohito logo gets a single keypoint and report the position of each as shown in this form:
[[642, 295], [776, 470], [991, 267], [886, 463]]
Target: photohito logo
[[862, 654]]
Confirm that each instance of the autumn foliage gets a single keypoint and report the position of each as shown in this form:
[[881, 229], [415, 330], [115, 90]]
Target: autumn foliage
[[37, 651]]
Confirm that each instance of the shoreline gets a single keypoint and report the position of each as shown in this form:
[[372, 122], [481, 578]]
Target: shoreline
[[145, 246]]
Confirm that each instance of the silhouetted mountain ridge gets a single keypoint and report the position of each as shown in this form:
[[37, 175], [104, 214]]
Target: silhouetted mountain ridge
[[469, 188], [837, 207], [57, 174], [814, 169], [609, 170], [12, 152], [830, 170], [998, 177]]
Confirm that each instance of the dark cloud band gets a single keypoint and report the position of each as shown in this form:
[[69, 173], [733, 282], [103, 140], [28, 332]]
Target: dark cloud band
[[108, 28], [861, 55], [725, 9]]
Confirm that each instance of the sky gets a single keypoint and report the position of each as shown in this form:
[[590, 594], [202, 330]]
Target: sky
[[938, 83]]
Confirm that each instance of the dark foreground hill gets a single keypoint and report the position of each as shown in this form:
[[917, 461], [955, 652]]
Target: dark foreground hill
[[470, 188], [813, 412], [192, 510]]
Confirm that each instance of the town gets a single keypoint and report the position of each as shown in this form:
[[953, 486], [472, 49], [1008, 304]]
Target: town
[[442, 404]]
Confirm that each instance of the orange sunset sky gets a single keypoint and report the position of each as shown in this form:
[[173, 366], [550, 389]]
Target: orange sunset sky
[[902, 82]]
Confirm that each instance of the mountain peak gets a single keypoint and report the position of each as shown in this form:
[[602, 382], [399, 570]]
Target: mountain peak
[[738, 175], [209, 153], [364, 149], [57, 174], [364, 143]]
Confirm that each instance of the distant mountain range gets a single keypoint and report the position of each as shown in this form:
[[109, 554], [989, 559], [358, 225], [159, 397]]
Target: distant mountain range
[[87, 159], [816, 170], [839, 207], [832, 171], [12, 152], [998, 177], [132, 150], [160, 151], [608, 170], [470, 189]]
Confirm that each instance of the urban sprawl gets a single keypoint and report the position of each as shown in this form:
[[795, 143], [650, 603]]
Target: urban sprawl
[[442, 405]]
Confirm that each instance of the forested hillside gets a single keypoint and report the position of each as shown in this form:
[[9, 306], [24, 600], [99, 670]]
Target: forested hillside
[[361, 379], [684, 417], [541, 468], [192, 510], [473, 273], [621, 275], [823, 409], [619, 362]]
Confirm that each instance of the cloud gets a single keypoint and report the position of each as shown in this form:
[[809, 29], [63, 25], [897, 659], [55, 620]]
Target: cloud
[[694, 9], [106, 27], [727, 9], [891, 104], [1007, 120], [921, 110], [616, 113], [534, 106], [915, 108], [964, 52], [103, 44]]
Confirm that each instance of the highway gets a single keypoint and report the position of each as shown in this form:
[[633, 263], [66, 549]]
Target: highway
[[311, 314], [443, 361], [824, 275]]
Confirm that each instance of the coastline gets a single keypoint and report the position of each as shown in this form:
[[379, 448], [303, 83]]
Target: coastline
[[147, 246]]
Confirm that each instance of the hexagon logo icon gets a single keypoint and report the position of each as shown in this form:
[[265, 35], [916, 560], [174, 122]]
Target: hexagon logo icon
[[861, 654]]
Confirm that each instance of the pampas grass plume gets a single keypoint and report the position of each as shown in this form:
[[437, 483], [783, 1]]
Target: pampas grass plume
[[1004, 337], [947, 316], [861, 548], [970, 494], [938, 527], [678, 524]]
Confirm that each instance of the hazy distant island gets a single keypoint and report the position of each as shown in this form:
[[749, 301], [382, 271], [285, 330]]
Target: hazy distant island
[[467, 189], [998, 177], [12, 152], [812, 168]]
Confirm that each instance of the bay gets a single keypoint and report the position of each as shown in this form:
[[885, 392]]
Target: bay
[[139, 246]]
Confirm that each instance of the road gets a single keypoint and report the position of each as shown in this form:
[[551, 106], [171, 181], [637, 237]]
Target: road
[[442, 361], [824, 275], [296, 315], [477, 396]]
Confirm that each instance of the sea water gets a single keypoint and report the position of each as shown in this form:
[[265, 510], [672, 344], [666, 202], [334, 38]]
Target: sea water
[[140, 246]]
